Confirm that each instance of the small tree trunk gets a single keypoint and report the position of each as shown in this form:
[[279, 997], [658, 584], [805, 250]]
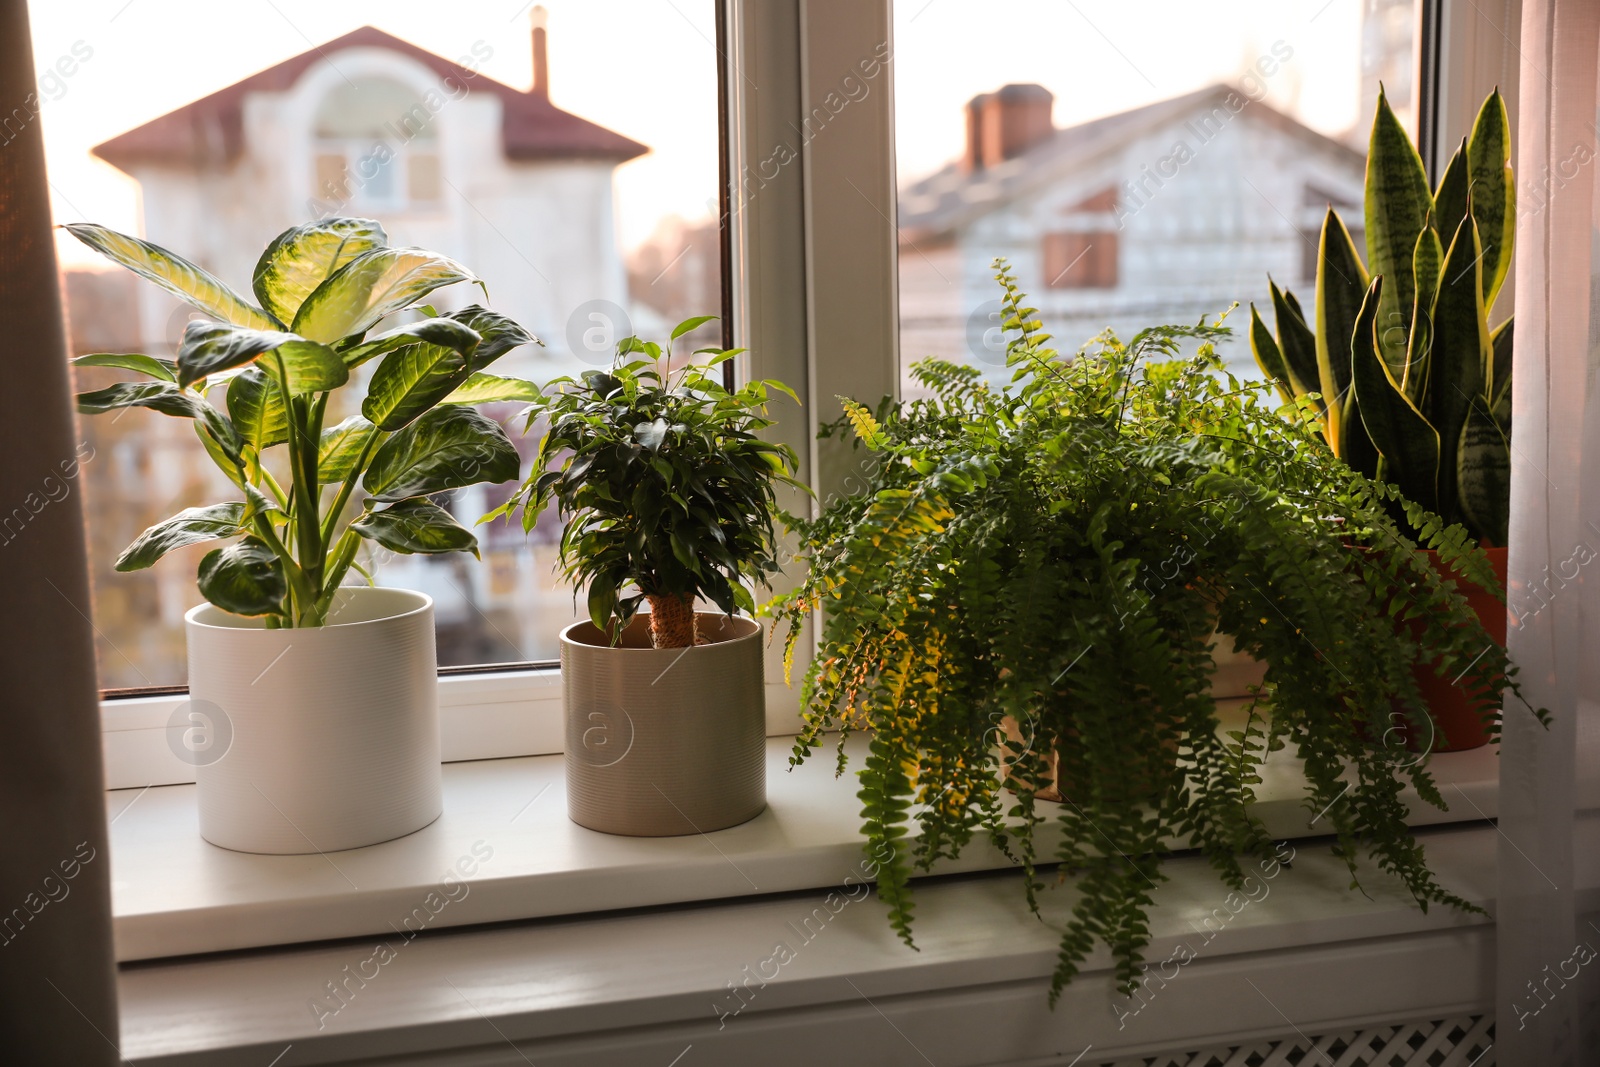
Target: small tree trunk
[[671, 621]]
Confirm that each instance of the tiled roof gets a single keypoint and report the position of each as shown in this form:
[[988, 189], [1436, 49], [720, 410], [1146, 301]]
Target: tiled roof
[[212, 128], [952, 197]]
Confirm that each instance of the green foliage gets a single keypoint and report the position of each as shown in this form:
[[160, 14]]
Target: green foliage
[[321, 287], [1416, 391], [1058, 555], [665, 490]]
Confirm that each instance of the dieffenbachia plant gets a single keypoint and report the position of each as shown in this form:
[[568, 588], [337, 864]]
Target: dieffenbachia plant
[[321, 288], [1411, 384], [666, 491]]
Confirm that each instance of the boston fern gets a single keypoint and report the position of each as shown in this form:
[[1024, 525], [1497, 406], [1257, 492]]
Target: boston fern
[[666, 491], [321, 287], [1036, 574]]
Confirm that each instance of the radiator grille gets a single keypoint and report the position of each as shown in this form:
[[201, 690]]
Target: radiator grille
[[1467, 1041]]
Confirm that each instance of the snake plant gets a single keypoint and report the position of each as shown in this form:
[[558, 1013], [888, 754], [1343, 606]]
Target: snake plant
[[321, 287], [1409, 382]]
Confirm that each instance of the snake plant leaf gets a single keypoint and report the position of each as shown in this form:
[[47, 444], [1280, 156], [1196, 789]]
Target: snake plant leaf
[[1298, 344], [163, 369], [1270, 359], [1461, 358], [1494, 193], [255, 405], [1500, 378], [1452, 201], [1341, 286], [168, 399], [445, 448], [1426, 262], [1408, 444], [411, 380], [374, 284], [500, 334], [416, 526], [188, 527], [303, 257], [341, 447], [244, 578], [1398, 201], [1483, 472], [184, 280], [488, 388], [443, 331]]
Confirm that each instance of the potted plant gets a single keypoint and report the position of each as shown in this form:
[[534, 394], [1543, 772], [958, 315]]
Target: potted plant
[[1058, 553], [1409, 382], [667, 496], [326, 693]]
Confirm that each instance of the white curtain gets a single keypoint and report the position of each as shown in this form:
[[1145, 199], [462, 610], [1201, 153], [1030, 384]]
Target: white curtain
[[1547, 971]]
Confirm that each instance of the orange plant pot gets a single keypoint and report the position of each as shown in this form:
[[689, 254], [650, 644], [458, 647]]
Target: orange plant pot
[[1460, 716]]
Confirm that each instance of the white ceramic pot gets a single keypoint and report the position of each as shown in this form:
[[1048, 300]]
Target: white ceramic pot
[[324, 738], [665, 741]]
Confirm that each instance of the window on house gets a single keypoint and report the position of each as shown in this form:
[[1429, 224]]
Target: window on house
[[1080, 260], [373, 137], [1160, 173], [588, 208]]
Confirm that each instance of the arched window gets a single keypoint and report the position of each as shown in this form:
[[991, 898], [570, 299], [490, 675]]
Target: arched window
[[376, 147]]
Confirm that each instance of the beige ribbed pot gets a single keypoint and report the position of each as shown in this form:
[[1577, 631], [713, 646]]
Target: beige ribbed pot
[[662, 742]]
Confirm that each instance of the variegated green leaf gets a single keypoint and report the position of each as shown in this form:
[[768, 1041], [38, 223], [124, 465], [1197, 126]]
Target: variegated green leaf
[[417, 525], [1483, 472], [256, 407], [446, 332], [411, 380], [488, 388], [1452, 201], [189, 527], [1298, 345], [341, 447], [176, 275], [374, 284], [168, 399], [1426, 263], [303, 257], [1494, 194], [500, 334], [309, 367], [446, 448], [1409, 446], [1499, 389], [1460, 359], [1270, 359], [245, 578], [1397, 205], [1341, 285], [163, 369]]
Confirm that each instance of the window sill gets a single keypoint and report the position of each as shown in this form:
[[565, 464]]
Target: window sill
[[504, 849]]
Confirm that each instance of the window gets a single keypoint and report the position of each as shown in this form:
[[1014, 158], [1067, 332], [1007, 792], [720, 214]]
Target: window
[[588, 205], [1134, 167]]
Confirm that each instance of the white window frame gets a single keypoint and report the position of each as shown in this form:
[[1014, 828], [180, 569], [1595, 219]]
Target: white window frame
[[814, 296]]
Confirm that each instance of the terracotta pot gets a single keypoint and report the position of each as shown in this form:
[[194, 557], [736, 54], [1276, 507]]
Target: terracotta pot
[[1132, 787], [663, 742], [1459, 715]]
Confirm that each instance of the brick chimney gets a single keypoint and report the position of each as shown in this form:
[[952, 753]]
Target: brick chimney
[[1004, 124], [541, 63]]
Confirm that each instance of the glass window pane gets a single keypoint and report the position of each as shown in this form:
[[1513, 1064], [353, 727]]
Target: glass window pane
[[1135, 163], [586, 203]]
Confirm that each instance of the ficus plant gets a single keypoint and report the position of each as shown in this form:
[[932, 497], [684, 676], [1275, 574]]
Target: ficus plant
[[1410, 383], [1027, 596], [260, 380], [665, 489]]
